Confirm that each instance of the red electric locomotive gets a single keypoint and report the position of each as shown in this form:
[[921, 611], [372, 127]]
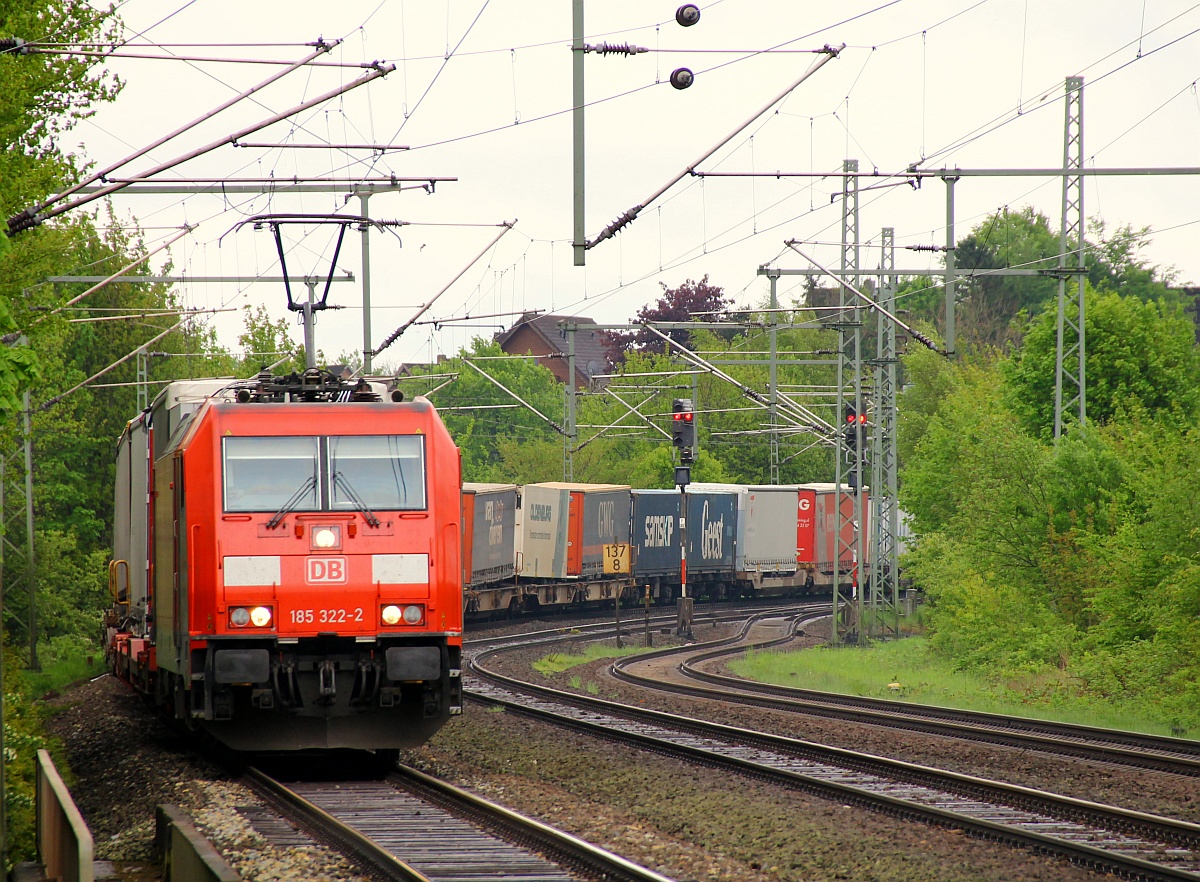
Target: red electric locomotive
[[287, 571]]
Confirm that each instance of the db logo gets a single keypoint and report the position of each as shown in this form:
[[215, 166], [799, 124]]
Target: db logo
[[325, 570]]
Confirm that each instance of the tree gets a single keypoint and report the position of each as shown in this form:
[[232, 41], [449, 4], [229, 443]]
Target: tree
[[1139, 355], [1113, 264], [987, 304], [681, 304], [44, 96], [265, 342], [481, 416]]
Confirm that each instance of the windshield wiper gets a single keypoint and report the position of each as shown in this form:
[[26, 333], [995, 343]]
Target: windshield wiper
[[291, 503], [340, 480]]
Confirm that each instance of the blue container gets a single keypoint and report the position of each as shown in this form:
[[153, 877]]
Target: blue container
[[655, 533], [711, 529]]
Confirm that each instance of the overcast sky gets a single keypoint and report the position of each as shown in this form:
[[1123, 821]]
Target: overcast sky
[[482, 93]]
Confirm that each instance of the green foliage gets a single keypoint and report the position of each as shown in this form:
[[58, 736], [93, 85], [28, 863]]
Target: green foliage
[[1073, 564], [503, 441], [70, 580], [987, 303], [1140, 357], [22, 740], [1113, 264], [265, 343], [557, 662], [45, 96], [910, 670]]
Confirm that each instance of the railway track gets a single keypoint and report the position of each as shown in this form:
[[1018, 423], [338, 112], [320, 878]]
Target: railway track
[[687, 677], [1132, 844], [408, 826]]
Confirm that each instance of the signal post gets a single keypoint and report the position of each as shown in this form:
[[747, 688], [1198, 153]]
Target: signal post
[[683, 436]]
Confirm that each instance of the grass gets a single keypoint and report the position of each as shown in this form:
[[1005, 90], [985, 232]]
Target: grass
[[557, 662], [905, 670], [61, 664]]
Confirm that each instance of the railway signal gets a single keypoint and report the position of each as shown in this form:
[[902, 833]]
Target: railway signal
[[855, 423], [855, 428], [683, 429]]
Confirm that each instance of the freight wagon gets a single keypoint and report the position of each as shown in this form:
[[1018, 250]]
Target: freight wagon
[[742, 541], [563, 534]]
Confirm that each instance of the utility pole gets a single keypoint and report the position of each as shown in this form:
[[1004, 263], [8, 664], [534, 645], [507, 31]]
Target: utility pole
[[1069, 375], [579, 240], [365, 231], [847, 596], [571, 438], [773, 371], [31, 569], [951, 292], [885, 511]]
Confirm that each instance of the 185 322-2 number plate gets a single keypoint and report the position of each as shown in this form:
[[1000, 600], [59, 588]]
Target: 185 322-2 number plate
[[329, 616]]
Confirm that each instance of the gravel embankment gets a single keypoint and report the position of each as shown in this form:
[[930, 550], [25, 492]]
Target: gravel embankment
[[686, 822]]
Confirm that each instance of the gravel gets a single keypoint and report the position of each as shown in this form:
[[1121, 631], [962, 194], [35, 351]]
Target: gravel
[[683, 821]]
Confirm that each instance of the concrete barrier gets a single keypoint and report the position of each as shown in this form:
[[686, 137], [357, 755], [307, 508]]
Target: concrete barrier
[[63, 839], [185, 854]]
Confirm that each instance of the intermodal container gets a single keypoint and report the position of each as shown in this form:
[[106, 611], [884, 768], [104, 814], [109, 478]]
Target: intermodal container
[[655, 536], [565, 526], [711, 532], [542, 532], [767, 544], [827, 523], [489, 532]]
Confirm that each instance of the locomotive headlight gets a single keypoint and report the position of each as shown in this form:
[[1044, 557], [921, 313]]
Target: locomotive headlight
[[391, 614], [260, 616], [414, 614], [327, 537], [239, 617]]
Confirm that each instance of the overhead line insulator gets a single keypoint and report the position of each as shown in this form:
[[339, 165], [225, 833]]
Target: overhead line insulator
[[614, 49]]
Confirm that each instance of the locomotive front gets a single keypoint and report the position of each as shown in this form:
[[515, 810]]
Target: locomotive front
[[306, 587]]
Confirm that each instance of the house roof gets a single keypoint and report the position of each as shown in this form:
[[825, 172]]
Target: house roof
[[591, 356]]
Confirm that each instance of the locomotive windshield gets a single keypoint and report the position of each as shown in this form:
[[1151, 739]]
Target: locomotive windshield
[[336, 473], [262, 474], [383, 471]]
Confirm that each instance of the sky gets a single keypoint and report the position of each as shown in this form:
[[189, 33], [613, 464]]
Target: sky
[[481, 92]]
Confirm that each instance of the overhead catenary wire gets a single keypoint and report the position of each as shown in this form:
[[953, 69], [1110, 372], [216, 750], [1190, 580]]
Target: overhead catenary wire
[[36, 216], [826, 54], [100, 175], [49, 403], [395, 335], [122, 271]]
